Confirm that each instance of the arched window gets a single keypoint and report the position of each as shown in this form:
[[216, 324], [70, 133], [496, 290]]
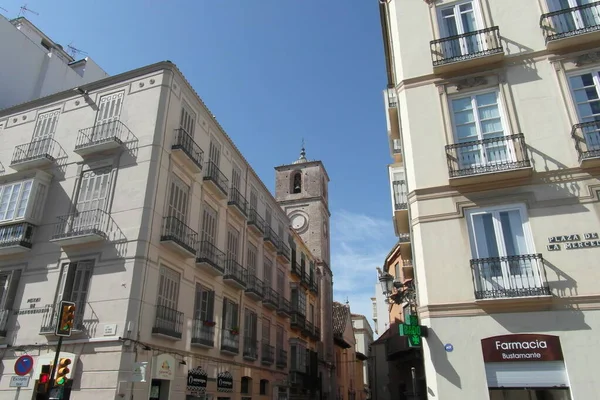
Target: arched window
[[264, 387], [297, 182], [246, 386]]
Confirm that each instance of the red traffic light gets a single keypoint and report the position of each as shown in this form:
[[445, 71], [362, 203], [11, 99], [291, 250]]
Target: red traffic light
[[44, 378]]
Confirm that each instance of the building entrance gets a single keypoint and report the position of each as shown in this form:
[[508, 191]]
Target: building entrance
[[530, 394]]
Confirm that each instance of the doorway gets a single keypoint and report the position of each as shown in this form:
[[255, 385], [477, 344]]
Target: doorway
[[530, 394]]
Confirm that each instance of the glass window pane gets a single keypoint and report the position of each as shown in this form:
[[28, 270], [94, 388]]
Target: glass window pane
[[462, 104]]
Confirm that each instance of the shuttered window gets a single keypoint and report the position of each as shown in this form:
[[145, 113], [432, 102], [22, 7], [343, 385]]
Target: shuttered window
[[94, 189], [266, 330], [188, 120], [250, 325], [109, 108], [168, 288], [178, 199], [75, 285], [204, 304], [233, 243], [268, 272], [209, 224], [230, 314], [252, 256]]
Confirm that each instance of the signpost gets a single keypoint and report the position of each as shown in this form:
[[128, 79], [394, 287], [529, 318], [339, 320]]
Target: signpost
[[19, 381], [413, 331], [23, 365]]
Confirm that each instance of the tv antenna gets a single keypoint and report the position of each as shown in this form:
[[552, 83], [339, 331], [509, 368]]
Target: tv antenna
[[2, 8], [25, 9], [74, 51]]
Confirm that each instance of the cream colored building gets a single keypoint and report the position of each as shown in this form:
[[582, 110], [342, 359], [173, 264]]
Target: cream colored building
[[492, 108], [127, 197]]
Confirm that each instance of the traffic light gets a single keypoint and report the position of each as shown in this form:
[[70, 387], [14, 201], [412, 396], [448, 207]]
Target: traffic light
[[62, 371], [44, 379], [66, 316]]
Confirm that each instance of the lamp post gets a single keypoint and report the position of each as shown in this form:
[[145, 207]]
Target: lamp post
[[405, 292]]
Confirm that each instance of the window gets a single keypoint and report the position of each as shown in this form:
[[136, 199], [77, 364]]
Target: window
[[293, 247], [178, 199], [94, 190], [280, 230], [252, 255], [268, 216], [311, 271], [299, 300], [74, 286], [230, 314], [204, 304], [311, 313], [264, 387], [236, 177], [279, 337], [582, 18], [233, 243], [9, 283], [397, 270], [14, 199], [168, 288], [209, 224], [266, 330], [476, 118], [188, 120], [250, 327], [297, 182], [268, 272], [459, 19], [585, 90], [298, 357], [253, 199], [214, 153], [323, 188], [246, 385], [280, 282]]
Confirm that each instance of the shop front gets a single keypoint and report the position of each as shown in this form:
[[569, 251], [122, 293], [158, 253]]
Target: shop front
[[163, 373], [524, 367]]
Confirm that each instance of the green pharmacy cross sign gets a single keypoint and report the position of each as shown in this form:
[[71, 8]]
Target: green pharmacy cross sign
[[413, 331]]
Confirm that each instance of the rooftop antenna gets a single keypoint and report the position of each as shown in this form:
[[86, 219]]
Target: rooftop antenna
[[2, 8], [25, 9], [73, 51]]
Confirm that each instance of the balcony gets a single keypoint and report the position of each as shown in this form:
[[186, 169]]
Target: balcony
[[469, 50], [297, 269], [230, 341], [271, 298], [179, 237], [210, 259], [4, 315], [237, 202], [42, 153], [298, 320], [254, 288], [82, 227], [284, 308], [235, 275], [271, 238], [317, 333], [16, 238], [572, 28], [407, 270], [282, 357], [256, 222], [510, 277], [309, 329], [168, 323], [488, 160], [314, 287], [250, 349], [305, 279], [404, 238], [587, 143], [267, 356], [103, 138], [216, 180], [284, 252], [49, 319], [400, 195], [203, 333], [187, 151]]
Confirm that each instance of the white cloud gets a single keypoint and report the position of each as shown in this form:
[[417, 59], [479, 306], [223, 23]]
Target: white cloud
[[359, 244]]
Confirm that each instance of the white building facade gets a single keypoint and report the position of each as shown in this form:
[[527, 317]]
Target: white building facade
[[380, 311], [363, 334], [34, 66], [131, 201], [492, 110]]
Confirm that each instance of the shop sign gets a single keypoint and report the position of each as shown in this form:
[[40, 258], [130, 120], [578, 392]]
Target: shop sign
[[164, 367], [225, 382], [574, 241], [522, 347], [196, 380], [138, 372], [413, 331]]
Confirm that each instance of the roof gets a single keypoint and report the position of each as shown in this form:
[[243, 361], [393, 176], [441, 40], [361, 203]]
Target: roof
[[357, 316], [391, 331], [340, 316]]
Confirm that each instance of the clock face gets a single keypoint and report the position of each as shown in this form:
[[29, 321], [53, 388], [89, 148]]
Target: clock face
[[298, 221]]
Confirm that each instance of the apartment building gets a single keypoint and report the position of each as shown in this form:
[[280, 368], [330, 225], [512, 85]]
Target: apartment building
[[492, 122], [42, 66], [363, 335], [349, 376], [128, 198]]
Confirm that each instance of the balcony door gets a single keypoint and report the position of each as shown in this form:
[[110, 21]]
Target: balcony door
[[585, 90], [479, 125], [583, 15], [214, 152], [457, 21], [498, 237], [92, 200], [43, 134], [209, 225], [109, 112]]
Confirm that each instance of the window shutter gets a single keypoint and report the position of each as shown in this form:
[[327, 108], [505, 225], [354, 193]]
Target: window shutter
[[13, 285], [247, 323], [225, 319], [235, 315], [210, 312], [68, 275]]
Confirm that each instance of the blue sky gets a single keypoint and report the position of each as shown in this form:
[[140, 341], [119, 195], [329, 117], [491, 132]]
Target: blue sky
[[272, 72]]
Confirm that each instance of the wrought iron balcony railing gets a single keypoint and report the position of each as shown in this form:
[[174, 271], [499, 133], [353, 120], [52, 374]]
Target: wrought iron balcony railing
[[267, 354], [314, 287], [481, 43], [570, 22], [317, 333], [497, 154], [254, 219], [271, 236], [213, 173], [177, 231], [271, 297], [282, 357], [250, 348], [309, 328], [234, 271], [184, 142], [168, 322], [254, 286], [16, 235], [400, 195], [238, 200], [284, 306], [230, 341], [203, 332], [298, 319], [210, 254], [508, 277], [587, 139], [113, 131], [81, 223], [47, 149], [306, 279], [50, 317], [297, 269], [284, 250]]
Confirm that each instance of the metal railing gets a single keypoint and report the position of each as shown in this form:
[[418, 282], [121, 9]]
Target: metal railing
[[587, 139], [43, 148], [184, 142], [177, 231], [297, 269], [80, 223], [234, 271], [470, 45], [400, 195], [254, 285], [306, 279], [267, 355], [238, 200], [284, 306], [571, 21], [497, 154], [16, 235], [392, 98], [255, 219], [396, 146], [314, 287], [230, 341], [203, 332], [50, 317], [309, 328], [168, 321], [271, 236], [209, 253], [282, 358], [4, 315], [270, 296], [102, 133], [250, 348], [317, 332], [284, 250], [214, 174], [298, 319], [510, 276]]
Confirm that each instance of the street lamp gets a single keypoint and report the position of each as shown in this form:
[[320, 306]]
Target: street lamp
[[405, 292], [387, 283]]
